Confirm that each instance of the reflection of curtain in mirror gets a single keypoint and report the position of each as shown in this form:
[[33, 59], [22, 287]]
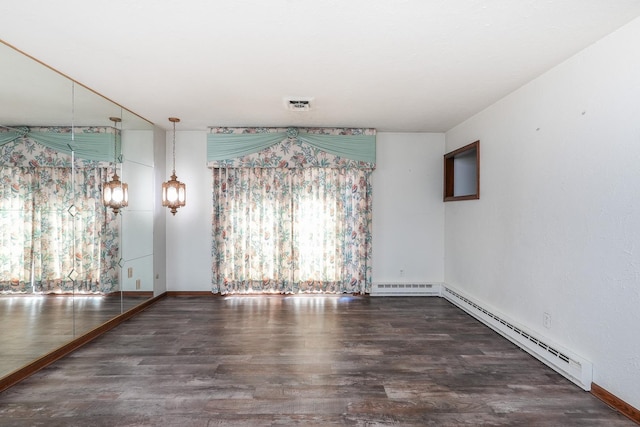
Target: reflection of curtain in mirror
[[37, 235]]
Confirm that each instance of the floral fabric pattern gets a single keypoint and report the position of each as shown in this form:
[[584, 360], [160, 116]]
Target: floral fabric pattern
[[42, 209], [291, 219], [291, 152]]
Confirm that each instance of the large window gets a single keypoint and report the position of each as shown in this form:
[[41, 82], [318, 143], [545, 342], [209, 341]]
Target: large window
[[301, 230], [289, 220]]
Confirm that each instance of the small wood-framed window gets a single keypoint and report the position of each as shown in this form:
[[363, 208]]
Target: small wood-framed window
[[462, 173]]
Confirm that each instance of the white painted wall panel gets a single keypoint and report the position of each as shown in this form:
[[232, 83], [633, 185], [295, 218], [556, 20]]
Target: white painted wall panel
[[408, 212], [189, 231], [557, 228]]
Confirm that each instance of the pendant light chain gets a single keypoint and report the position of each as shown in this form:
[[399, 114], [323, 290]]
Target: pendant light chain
[[73, 112], [174, 147], [115, 144]]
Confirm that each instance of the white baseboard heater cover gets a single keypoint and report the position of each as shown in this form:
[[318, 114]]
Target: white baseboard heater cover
[[571, 366], [406, 289]]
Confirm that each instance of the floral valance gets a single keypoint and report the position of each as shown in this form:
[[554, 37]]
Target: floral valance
[[87, 143], [291, 147]]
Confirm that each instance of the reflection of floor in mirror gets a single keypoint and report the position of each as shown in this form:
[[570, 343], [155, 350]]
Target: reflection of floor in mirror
[[35, 325]]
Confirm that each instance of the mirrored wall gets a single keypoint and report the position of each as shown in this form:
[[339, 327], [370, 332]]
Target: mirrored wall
[[40, 319]]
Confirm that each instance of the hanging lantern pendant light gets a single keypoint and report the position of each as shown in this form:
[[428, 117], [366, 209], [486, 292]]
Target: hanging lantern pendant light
[[174, 192], [115, 194]]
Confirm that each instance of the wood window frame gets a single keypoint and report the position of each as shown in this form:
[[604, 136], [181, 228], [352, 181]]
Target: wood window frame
[[449, 172]]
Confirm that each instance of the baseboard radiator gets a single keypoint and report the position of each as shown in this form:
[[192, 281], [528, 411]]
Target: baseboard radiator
[[569, 365], [406, 289]]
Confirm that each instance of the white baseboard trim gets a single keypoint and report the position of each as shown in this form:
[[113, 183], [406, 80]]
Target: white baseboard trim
[[573, 367], [406, 289]]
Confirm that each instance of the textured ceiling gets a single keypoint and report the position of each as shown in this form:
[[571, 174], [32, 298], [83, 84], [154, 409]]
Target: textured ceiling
[[404, 65]]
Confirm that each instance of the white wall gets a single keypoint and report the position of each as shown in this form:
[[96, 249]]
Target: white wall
[[557, 228], [408, 213], [189, 231]]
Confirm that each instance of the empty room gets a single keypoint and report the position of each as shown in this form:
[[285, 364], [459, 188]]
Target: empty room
[[320, 213]]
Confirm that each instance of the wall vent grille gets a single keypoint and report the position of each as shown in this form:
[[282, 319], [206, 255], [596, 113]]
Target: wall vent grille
[[571, 366], [405, 289], [298, 104]]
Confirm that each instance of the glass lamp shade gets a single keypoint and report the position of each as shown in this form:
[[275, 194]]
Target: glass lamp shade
[[174, 194], [115, 194]]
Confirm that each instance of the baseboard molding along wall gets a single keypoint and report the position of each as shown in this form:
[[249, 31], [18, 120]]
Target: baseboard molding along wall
[[406, 289], [570, 365]]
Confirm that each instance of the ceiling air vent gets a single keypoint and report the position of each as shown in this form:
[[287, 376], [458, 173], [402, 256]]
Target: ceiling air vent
[[298, 104]]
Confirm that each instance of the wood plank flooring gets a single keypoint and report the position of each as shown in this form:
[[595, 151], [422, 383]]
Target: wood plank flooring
[[308, 361]]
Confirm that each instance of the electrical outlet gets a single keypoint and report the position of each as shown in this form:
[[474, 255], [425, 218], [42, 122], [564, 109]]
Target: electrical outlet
[[137, 283], [546, 320], [130, 272]]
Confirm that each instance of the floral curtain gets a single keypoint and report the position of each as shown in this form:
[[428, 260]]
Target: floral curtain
[[291, 218], [55, 235]]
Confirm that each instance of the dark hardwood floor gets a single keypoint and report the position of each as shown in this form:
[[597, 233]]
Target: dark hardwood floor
[[309, 361]]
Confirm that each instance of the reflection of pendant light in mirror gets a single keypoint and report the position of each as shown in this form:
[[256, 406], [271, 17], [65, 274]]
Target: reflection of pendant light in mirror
[[174, 192], [115, 194]]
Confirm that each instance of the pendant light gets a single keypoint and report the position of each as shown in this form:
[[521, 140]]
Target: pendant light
[[115, 194], [174, 192]]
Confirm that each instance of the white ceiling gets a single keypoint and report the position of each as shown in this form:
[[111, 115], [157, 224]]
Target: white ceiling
[[402, 65]]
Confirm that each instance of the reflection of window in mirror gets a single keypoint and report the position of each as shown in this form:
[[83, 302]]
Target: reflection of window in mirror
[[462, 173]]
